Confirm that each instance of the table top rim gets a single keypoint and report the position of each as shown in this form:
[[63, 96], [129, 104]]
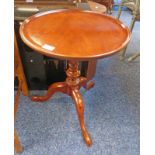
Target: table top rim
[[45, 52]]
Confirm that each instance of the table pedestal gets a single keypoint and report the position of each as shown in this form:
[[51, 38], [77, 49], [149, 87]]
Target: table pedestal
[[71, 87]]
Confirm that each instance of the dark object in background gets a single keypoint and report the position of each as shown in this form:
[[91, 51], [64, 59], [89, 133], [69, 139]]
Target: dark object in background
[[107, 3], [41, 71]]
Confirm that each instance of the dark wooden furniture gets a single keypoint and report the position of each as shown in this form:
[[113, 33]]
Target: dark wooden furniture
[[50, 70], [22, 87], [76, 36]]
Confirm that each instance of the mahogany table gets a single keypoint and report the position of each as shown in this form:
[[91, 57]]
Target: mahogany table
[[74, 35]]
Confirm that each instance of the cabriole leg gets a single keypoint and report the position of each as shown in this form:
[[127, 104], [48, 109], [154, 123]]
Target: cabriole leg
[[79, 104]]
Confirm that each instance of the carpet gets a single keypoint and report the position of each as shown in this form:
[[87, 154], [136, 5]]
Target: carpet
[[112, 110]]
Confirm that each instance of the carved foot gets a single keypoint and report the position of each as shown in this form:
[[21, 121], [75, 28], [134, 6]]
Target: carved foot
[[87, 85], [77, 98], [56, 87], [90, 85]]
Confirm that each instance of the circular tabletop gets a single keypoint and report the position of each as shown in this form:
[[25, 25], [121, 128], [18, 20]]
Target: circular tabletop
[[74, 34]]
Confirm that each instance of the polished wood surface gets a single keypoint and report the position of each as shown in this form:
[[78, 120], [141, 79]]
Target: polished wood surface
[[91, 70], [25, 10], [17, 145], [71, 87], [74, 34]]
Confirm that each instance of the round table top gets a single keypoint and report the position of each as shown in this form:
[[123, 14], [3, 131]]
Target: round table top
[[74, 34]]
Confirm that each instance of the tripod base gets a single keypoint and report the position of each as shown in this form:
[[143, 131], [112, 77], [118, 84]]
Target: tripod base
[[71, 87]]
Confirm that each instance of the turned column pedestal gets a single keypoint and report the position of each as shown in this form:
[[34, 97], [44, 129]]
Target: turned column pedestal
[[71, 87]]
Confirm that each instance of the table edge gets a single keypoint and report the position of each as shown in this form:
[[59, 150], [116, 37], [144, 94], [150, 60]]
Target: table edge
[[63, 57]]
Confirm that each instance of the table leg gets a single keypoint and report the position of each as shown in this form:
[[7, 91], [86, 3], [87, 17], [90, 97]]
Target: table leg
[[18, 147], [71, 87], [79, 104], [74, 82], [56, 87], [87, 85]]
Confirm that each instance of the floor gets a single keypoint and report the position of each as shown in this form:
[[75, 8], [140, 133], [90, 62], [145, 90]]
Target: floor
[[112, 110]]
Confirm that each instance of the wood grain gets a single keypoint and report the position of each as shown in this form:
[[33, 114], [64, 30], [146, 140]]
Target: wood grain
[[71, 87], [74, 34]]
